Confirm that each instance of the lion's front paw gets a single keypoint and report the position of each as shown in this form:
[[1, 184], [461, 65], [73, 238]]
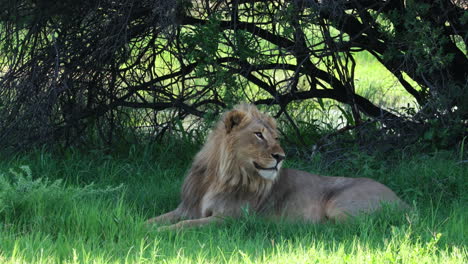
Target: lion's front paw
[[151, 221]]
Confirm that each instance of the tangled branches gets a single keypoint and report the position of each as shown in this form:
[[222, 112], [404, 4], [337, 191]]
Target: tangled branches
[[72, 69]]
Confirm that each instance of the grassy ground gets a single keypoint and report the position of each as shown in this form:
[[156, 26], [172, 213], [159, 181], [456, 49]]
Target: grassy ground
[[74, 221]]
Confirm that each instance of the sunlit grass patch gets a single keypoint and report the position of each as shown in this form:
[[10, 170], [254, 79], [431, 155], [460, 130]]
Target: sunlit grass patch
[[375, 82]]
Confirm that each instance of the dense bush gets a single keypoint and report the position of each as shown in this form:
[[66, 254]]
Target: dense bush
[[39, 201], [72, 71]]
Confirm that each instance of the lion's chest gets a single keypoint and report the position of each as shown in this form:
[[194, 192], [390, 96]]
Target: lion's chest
[[223, 204]]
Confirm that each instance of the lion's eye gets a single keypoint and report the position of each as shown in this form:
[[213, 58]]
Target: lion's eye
[[259, 135]]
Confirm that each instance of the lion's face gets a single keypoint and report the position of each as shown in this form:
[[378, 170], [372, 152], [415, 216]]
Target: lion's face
[[255, 142]]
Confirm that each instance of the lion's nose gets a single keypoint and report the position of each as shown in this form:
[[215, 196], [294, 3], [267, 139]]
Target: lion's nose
[[278, 157]]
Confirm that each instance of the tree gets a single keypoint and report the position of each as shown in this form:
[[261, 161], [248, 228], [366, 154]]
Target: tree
[[73, 67]]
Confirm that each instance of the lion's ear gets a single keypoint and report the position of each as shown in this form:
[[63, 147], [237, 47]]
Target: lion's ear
[[233, 119]]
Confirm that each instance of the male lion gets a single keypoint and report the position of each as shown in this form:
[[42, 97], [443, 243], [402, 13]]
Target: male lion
[[240, 165]]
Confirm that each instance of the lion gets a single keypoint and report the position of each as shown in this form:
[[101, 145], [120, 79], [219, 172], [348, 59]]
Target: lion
[[240, 166]]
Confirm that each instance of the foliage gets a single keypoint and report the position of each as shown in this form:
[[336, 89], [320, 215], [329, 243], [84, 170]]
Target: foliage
[[37, 200], [73, 71]]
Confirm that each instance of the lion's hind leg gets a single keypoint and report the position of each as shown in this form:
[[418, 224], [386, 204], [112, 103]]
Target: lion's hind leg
[[361, 197]]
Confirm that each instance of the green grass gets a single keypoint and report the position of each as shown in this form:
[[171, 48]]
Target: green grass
[[48, 221]]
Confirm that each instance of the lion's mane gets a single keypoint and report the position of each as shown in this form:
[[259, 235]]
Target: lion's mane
[[215, 169]]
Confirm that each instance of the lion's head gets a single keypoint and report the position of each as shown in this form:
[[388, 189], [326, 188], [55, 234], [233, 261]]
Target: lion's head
[[251, 141], [242, 148]]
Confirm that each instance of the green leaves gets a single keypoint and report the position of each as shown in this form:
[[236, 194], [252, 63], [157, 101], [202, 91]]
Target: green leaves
[[201, 42], [21, 195]]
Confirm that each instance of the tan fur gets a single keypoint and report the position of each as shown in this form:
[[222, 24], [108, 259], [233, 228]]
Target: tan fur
[[240, 167]]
